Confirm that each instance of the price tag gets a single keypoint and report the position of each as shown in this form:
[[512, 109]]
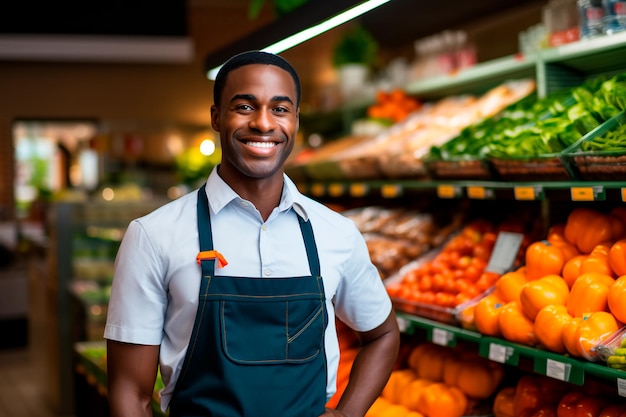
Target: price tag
[[390, 190], [621, 387], [442, 337], [562, 368], [317, 190], [558, 370], [527, 193], [499, 353], [336, 190], [593, 193], [448, 191], [504, 252], [358, 189], [478, 192]]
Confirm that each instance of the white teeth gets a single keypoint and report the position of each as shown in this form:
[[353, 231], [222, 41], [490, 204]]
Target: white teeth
[[261, 144]]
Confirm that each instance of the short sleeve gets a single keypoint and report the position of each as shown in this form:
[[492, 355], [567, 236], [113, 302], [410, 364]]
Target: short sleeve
[[138, 298]]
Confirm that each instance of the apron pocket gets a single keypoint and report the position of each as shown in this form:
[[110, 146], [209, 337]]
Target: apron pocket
[[272, 332]]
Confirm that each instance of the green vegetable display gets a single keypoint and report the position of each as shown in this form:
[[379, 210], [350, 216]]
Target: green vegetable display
[[618, 359], [534, 126], [614, 140]]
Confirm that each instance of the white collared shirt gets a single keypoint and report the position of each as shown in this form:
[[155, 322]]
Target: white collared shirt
[[157, 279]]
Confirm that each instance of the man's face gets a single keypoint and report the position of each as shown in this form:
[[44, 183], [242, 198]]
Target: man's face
[[257, 120]]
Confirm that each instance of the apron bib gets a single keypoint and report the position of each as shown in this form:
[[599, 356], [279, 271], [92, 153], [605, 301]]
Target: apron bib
[[257, 346]]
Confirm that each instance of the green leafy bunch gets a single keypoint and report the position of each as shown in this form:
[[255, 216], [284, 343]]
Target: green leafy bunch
[[356, 46]]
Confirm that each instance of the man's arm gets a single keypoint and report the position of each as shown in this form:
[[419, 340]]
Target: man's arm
[[371, 369], [131, 374]]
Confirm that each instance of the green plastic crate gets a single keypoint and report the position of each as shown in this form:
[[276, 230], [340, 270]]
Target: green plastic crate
[[598, 165]]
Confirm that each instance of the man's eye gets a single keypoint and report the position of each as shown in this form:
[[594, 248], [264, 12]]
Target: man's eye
[[281, 109], [245, 107]]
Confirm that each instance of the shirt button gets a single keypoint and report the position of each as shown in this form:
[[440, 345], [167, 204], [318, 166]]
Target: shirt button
[[267, 272], [264, 227]]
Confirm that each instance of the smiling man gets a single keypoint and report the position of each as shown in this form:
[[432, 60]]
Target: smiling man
[[233, 289]]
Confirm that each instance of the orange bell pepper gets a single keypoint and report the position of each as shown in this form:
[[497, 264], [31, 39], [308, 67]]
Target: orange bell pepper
[[570, 338], [515, 326], [598, 260], [549, 290], [548, 327], [509, 286], [439, 399], [617, 257], [486, 315], [617, 299], [571, 269], [543, 258], [594, 328], [587, 228], [579, 404], [589, 294], [556, 236]]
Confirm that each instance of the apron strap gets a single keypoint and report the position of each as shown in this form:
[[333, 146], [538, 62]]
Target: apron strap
[[311, 247], [205, 237]]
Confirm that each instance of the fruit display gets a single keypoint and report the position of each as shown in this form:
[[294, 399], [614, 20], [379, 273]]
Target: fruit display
[[541, 396], [396, 236], [569, 295], [456, 274], [438, 381]]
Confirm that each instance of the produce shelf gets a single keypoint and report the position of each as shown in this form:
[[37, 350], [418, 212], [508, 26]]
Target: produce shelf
[[475, 189], [554, 365], [476, 79], [594, 55]]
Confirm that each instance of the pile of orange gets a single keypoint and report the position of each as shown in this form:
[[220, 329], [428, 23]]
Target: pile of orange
[[394, 105]]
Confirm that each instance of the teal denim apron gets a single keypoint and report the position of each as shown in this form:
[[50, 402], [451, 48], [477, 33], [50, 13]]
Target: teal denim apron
[[257, 346]]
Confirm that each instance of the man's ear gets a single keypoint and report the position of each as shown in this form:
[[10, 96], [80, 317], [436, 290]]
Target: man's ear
[[215, 118], [298, 119]]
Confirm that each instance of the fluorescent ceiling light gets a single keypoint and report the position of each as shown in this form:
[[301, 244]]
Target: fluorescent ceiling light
[[313, 31], [85, 48]]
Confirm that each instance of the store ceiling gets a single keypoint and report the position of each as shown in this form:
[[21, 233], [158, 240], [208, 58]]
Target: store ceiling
[[394, 24]]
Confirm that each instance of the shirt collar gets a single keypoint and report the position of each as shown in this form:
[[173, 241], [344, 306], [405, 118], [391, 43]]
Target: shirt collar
[[221, 195]]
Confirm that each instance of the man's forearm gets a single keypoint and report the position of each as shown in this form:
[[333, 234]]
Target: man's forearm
[[370, 370]]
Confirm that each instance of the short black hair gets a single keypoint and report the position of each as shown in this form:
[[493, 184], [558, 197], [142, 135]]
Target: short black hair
[[249, 58]]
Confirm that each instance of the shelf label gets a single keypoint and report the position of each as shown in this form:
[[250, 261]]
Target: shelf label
[[621, 387], [358, 189], [478, 192], [500, 353], [593, 193], [561, 369], [317, 189], [527, 193], [558, 370], [448, 191], [442, 337], [336, 190], [390, 190], [504, 252]]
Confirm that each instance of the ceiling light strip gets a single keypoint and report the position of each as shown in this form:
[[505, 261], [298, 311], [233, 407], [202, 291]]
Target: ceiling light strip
[[313, 31]]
